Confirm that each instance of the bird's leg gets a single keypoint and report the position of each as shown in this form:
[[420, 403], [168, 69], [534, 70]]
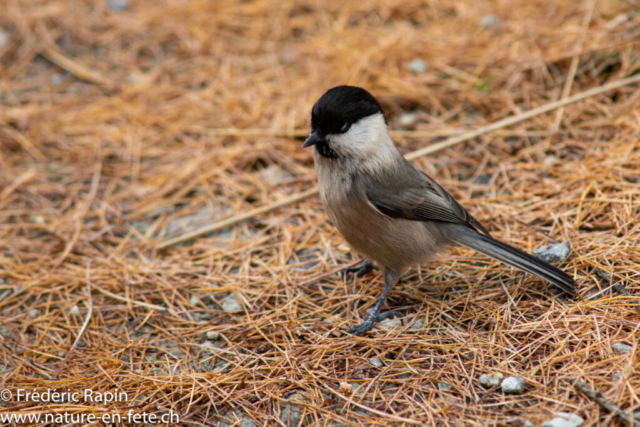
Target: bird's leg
[[390, 279], [360, 270]]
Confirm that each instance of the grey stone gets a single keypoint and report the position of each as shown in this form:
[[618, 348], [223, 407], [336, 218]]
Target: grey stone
[[56, 79], [375, 361], [488, 381], [75, 311], [513, 385], [290, 412], [444, 387], [246, 422], [408, 119], [214, 335], [390, 323], [210, 346], [617, 376], [489, 21], [231, 304], [274, 174], [202, 317], [483, 179], [527, 423], [194, 301], [418, 324], [34, 313], [197, 219], [564, 419], [554, 253], [622, 348], [118, 5], [4, 37], [417, 66]]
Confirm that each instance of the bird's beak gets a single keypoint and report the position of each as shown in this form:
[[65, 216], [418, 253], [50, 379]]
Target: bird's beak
[[313, 139]]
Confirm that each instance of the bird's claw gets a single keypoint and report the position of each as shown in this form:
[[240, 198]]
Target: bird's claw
[[368, 324], [360, 270]]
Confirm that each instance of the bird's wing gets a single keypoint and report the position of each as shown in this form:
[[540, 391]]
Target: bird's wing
[[415, 196]]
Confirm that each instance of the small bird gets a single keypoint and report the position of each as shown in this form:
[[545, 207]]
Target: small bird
[[386, 208]]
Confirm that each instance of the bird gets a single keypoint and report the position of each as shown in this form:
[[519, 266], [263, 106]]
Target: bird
[[387, 209]]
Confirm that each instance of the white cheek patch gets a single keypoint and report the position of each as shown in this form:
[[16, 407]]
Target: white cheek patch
[[366, 137]]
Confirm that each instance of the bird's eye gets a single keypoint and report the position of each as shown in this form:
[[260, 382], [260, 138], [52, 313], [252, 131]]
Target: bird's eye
[[345, 127]]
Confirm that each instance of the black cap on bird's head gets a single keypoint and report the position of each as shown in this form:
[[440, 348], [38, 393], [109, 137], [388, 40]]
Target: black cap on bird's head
[[338, 109]]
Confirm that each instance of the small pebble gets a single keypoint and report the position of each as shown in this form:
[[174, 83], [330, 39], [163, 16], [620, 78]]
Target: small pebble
[[194, 301], [56, 79], [564, 419], [34, 313], [75, 311], [513, 385], [4, 37], [617, 376], [407, 119], [390, 323], [209, 345], [553, 254], [417, 66], [444, 387], [489, 21], [62, 354], [118, 5], [231, 304], [488, 381], [275, 175], [291, 413], [483, 180], [527, 423], [214, 335], [375, 361], [622, 348], [418, 324]]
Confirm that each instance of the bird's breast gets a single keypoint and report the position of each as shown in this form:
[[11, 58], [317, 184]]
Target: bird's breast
[[393, 243]]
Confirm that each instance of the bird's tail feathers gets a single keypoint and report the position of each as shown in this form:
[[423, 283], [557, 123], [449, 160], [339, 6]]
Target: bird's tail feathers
[[515, 257]]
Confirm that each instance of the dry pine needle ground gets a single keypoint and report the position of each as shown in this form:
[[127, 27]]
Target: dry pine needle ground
[[108, 145]]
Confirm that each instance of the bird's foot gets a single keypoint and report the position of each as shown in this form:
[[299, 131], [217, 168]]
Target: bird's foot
[[367, 325], [360, 270]]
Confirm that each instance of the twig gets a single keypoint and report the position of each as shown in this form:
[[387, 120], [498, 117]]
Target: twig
[[26, 176], [80, 71], [524, 116], [238, 218], [372, 410], [88, 318], [574, 64], [25, 142], [604, 402], [411, 156], [130, 301], [618, 286]]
